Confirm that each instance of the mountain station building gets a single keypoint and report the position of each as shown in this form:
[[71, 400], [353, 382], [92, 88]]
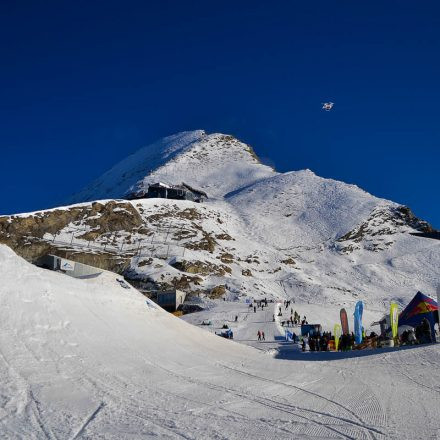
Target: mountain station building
[[175, 192]]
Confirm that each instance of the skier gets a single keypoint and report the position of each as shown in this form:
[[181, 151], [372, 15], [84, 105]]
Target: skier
[[262, 336], [259, 335]]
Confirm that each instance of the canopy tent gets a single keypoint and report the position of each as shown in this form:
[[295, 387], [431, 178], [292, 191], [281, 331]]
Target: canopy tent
[[421, 306]]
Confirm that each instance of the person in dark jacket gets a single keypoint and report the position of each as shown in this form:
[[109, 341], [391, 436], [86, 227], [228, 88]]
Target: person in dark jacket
[[426, 331]]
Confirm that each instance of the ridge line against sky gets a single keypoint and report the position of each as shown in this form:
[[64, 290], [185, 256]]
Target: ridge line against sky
[[84, 84]]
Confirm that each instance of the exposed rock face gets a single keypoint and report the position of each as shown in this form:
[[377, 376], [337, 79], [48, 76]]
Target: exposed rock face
[[290, 261], [207, 243], [375, 234], [203, 268], [217, 292], [27, 235], [184, 282]]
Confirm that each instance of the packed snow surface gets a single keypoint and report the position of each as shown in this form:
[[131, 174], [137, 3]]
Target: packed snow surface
[[87, 359]]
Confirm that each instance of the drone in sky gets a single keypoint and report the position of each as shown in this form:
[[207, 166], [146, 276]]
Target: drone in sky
[[327, 106]]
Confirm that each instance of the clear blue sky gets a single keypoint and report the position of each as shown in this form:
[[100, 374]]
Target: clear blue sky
[[85, 83]]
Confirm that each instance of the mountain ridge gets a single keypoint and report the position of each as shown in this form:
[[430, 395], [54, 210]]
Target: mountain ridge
[[261, 233]]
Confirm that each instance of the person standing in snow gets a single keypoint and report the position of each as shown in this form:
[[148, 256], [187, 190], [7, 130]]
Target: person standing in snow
[[303, 344], [262, 336], [294, 337], [426, 331], [259, 335]]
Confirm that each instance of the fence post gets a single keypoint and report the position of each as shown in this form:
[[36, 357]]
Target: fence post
[[169, 228]]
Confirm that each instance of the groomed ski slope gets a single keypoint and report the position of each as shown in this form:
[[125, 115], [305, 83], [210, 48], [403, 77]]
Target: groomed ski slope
[[88, 359]]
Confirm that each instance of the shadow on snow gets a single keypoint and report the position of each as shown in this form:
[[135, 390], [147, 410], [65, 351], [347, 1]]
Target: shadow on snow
[[291, 352]]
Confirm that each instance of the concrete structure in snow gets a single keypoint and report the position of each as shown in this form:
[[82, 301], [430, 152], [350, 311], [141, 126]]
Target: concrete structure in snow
[[68, 267], [169, 300]]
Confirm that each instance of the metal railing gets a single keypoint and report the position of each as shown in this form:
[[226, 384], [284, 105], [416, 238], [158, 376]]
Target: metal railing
[[158, 246]]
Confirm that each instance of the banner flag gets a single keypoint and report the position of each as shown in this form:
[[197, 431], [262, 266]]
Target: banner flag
[[438, 299], [344, 322], [394, 319], [358, 310], [337, 332]]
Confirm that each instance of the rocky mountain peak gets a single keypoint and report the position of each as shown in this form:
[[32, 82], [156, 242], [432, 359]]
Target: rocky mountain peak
[[377, 231], [217, 163]]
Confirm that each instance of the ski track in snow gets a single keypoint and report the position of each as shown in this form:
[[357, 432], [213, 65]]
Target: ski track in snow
[[185, 383]]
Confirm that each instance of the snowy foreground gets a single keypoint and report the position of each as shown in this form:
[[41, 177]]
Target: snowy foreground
[[89, 359]]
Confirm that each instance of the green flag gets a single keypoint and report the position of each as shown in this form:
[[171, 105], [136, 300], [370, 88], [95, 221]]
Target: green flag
[[394, 319], [337, 332]]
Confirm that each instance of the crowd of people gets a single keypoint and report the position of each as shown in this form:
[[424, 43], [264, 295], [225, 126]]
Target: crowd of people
[[325, 341], [317, 342], [294, 319]]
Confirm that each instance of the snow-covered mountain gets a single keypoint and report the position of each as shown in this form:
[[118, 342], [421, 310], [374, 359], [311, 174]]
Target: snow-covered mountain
[[261, 233], [216, 163], [87, 358]]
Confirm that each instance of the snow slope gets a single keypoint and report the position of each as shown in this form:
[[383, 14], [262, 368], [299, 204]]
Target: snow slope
[[216, 163], [87, 359], [300, 208]]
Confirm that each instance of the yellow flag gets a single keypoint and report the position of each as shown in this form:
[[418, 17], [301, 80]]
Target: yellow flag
[[394, 319], [337, 332]]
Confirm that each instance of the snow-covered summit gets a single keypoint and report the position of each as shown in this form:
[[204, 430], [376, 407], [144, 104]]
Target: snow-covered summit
[[216, 163], [262, 233], [116, 181]]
